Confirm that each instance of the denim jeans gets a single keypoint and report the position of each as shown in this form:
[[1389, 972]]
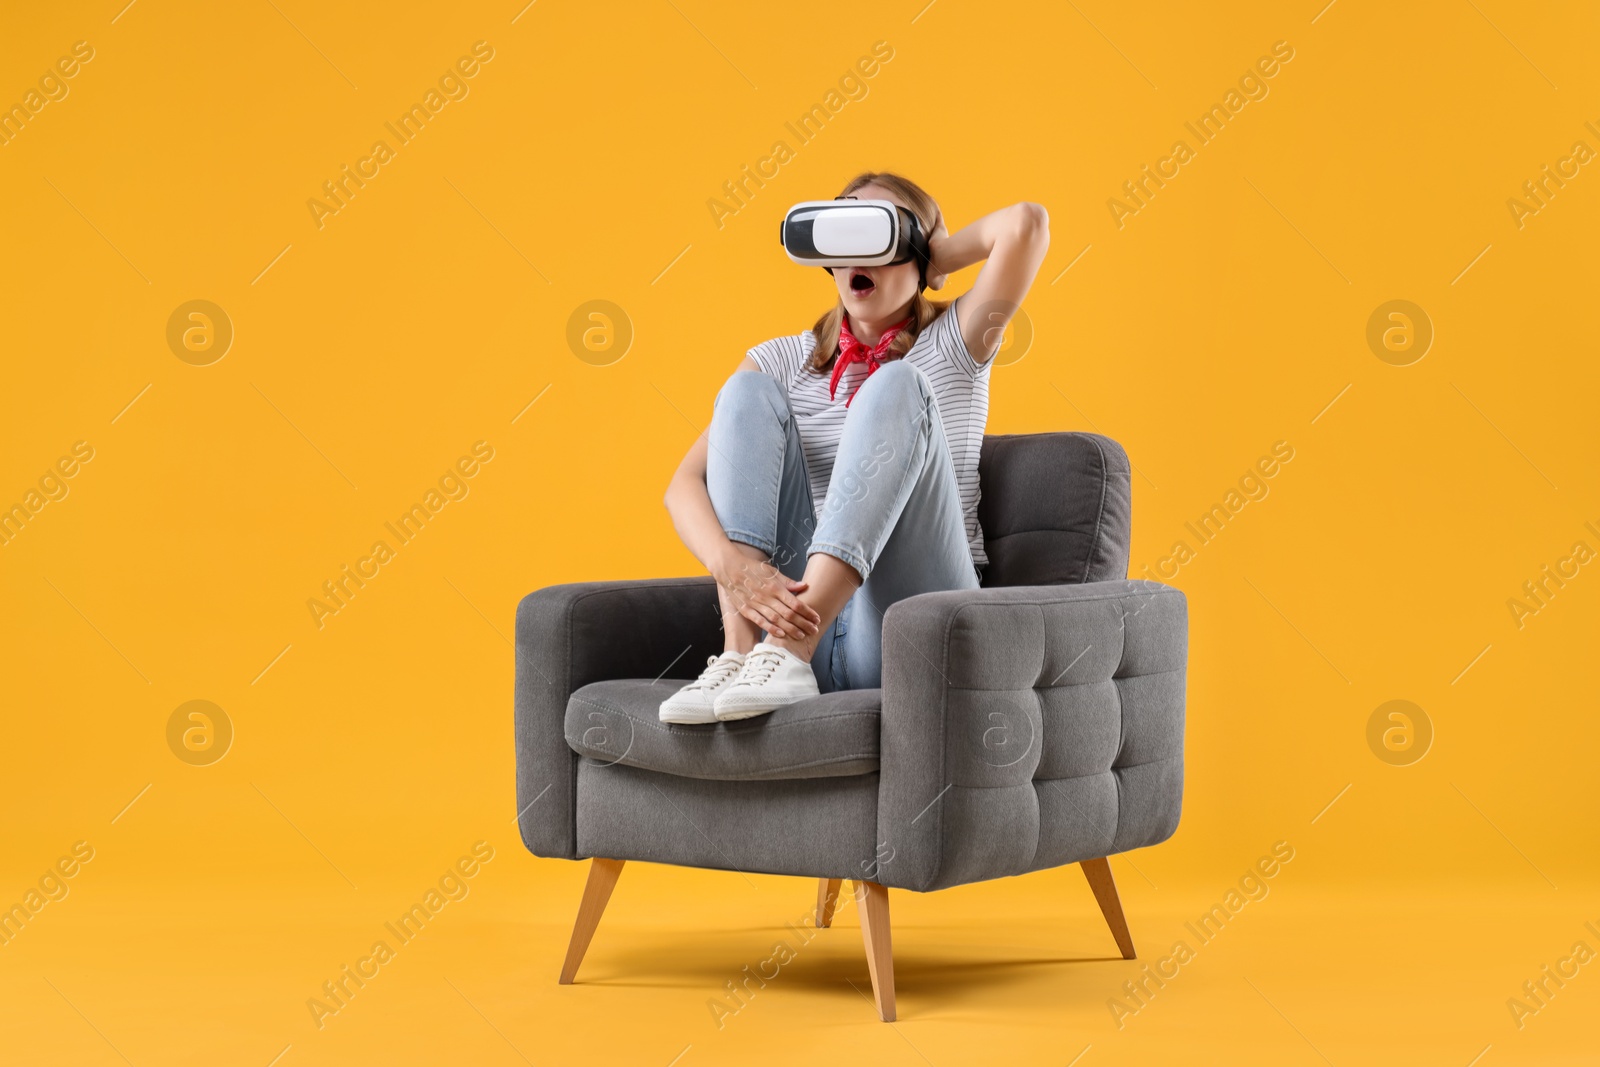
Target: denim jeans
[[892, 510]]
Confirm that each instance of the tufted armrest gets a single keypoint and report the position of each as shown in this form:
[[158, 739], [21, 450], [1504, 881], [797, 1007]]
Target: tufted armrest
[[1026, 727], [571, 635]]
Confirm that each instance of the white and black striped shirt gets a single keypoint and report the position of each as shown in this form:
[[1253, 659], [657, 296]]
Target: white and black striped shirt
[[960, 387]]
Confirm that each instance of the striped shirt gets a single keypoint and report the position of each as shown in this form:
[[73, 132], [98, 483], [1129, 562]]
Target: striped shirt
[[960, 388]]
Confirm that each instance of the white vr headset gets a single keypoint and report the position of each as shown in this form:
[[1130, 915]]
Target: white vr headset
[[846, 232]]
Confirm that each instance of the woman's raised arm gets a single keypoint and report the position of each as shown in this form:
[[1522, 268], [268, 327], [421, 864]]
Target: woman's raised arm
[[1013, 242]]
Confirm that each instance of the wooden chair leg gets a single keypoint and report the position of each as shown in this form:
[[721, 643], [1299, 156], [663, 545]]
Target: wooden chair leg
[[827, 897], [872, 902], [602, 879], [1105, 892]]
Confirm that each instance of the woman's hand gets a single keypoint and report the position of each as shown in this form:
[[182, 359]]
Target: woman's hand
[[765, 596], [936, 275]]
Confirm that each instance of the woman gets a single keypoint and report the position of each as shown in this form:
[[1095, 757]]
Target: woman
[[840, 470]]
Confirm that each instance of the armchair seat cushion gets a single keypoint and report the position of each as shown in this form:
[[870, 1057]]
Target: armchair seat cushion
[[829, 736]]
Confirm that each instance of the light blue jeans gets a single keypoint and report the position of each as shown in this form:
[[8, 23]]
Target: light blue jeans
[[892, 511]]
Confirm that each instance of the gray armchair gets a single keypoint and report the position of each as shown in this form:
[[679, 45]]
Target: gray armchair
[[1032, 723]]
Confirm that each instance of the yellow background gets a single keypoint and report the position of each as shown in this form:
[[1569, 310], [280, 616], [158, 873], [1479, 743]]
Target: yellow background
[[431, 310]]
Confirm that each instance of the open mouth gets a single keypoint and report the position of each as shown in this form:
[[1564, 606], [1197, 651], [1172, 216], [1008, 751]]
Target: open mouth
[[861, 283]]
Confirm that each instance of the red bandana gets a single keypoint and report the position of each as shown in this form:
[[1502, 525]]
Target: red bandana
[[854, 351]]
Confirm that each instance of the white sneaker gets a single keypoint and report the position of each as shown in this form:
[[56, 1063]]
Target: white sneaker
[[693, 703], [771, 678]]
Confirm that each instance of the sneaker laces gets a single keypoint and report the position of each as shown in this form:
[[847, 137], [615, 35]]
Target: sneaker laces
[[718, 670], [760, 665]]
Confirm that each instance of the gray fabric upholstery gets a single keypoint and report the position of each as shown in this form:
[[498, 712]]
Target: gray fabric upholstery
[[1029, 727], [814, 827], [828, 736], [1032, 723], [1055, 508], [571, 635]]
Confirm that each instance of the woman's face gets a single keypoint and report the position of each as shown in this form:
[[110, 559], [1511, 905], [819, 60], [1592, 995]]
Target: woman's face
[[877, 294]]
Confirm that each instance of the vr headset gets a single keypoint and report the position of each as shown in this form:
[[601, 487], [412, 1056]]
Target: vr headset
[[846, 232]]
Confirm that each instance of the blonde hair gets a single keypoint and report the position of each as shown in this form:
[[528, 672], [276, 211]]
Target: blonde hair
[[923, 310]]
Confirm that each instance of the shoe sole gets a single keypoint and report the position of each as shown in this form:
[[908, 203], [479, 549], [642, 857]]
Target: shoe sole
[[685, 719], [750, 711], [734, 714]]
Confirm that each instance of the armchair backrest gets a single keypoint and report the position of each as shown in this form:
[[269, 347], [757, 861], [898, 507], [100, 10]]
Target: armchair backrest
[[1055, 508]]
